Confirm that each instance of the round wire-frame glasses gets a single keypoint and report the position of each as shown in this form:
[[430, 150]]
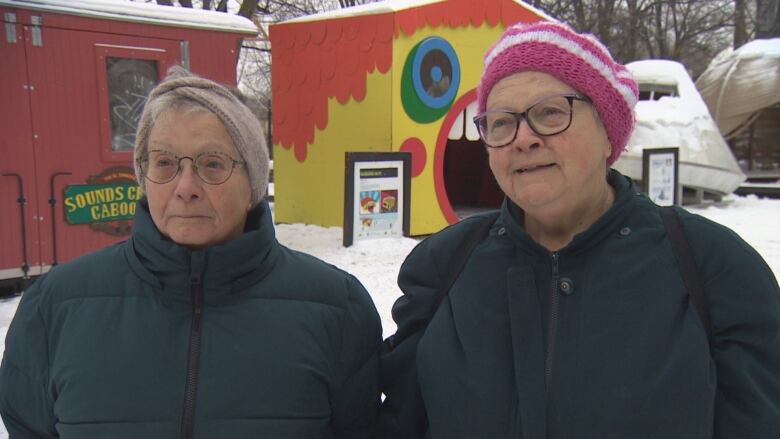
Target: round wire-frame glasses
[[159, 166], [548, 116]]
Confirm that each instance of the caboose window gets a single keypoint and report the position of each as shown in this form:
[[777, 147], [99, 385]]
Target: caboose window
[[654, 91], [129, 82]]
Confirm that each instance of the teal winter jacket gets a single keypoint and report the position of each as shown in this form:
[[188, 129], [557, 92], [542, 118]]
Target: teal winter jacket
[[597, 340], [147, 339]]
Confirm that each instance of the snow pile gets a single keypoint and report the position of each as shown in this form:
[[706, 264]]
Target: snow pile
[[754, 219]]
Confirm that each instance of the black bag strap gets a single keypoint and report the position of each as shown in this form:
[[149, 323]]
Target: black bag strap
[[461, 256], [454, 267], [687, 265]]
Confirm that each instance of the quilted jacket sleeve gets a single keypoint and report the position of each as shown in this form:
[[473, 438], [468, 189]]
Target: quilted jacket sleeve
[[745, 306], [26, 404], [403, 411], [356, 403]]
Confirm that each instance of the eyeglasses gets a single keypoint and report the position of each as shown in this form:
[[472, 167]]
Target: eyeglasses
[[160, 166], [550, 116]]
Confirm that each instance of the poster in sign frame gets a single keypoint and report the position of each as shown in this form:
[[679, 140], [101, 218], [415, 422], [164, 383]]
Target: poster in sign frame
[[660, 175], [376, 195]]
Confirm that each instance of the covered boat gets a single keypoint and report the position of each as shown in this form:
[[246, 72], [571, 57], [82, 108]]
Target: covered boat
[[742, 90], [671, 113], [739, 83]]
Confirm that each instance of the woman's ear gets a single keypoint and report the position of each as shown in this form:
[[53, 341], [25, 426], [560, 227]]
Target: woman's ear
[[603, 130]]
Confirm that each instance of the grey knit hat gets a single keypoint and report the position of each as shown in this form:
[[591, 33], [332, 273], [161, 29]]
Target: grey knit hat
[[244, 128]]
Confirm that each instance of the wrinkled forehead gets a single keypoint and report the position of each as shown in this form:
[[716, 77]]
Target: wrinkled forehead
[[188, 130]]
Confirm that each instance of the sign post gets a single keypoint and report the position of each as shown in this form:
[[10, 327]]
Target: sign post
[[376, 195], [660, 175]]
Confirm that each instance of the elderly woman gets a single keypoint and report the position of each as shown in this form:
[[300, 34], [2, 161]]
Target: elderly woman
[[201, 325], [570, 318]]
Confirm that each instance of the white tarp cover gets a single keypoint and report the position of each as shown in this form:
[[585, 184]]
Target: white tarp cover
[[124, 10], [739, 83], [683, 121]]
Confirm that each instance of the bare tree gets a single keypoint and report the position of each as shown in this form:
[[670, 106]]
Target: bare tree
[[768, 25], [689, 31], [740, 30]]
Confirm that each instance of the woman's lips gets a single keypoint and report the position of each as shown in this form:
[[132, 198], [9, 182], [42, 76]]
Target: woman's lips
[[533, 168]]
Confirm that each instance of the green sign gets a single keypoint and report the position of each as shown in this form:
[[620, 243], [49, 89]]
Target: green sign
[[98, 203]]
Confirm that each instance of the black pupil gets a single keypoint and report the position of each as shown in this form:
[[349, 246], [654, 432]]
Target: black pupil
[[436, 73]]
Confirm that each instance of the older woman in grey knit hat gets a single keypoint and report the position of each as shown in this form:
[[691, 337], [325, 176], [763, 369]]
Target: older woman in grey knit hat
[[201, 325], [187, 114]]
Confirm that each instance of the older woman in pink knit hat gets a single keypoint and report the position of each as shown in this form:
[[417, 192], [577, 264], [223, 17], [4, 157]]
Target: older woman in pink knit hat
[[580, 309]]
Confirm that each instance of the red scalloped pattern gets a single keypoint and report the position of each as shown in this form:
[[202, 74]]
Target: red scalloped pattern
[[314, 61]]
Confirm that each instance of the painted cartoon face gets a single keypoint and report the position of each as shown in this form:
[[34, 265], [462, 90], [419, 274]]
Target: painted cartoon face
[[186, 209], [562, 171]]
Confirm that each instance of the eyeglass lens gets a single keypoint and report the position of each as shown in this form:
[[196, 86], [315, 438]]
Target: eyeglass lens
[[211, 167], [547, 117]]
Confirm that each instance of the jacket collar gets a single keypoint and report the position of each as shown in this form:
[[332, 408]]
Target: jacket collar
[[625, 193], [231, 266]]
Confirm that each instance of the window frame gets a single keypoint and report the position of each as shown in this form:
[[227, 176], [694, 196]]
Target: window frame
[[102, 53]]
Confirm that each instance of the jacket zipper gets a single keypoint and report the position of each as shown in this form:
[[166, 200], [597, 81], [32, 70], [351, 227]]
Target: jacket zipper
[[193, 359], [552, 324]]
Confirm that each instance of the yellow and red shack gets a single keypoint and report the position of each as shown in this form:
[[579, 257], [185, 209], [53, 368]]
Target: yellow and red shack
[[397, 75]]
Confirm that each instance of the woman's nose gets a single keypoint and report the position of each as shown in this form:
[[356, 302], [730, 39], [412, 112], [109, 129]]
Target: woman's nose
[[188, 184], [526, 138]]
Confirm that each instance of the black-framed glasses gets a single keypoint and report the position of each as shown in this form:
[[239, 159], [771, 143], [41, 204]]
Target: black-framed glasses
[[159, 166], [549, 116]]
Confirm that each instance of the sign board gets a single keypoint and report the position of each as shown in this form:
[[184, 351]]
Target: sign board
[[660, 175], [376, 195], [106, 203], [96, 203]]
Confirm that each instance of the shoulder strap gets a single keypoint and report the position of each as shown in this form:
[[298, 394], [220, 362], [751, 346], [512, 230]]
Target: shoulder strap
[[687, 265], [454, 267], [461, 256]]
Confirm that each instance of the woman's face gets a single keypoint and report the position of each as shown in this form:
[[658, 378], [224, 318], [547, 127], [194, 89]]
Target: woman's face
[[558, 172], [187, 210]]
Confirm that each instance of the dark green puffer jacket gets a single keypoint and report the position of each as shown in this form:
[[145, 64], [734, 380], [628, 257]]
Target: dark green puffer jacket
[[595, 341], [147, 339]]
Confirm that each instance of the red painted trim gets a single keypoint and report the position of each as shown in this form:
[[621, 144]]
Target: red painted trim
[[438, 155], [316, 61]]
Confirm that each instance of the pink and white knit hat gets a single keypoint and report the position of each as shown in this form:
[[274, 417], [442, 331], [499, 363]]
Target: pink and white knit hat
[[579, 60]]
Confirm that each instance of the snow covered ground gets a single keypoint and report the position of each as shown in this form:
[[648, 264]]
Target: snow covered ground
[[376, 262]]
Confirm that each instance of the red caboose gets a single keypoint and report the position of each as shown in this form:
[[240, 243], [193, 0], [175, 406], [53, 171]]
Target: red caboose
[[73, 79]]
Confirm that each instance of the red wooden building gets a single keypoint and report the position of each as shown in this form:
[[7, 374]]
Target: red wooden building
[[73, 80]]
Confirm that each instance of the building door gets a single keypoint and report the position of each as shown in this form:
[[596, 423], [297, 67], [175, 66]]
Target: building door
[[76, 98], [19, 219]]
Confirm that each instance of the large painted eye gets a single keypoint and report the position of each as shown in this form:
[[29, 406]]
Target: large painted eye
[[430, 80]]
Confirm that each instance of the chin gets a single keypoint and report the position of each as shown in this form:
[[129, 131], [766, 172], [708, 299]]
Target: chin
[[528, 200]]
